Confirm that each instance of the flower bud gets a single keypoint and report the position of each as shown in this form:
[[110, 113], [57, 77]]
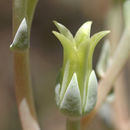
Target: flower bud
[[76, 89]]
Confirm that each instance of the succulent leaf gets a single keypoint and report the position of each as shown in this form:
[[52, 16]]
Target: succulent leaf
[[91, 93], [71, 103], [20, 41]]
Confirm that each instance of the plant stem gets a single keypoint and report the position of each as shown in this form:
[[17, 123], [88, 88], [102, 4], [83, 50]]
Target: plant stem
[[120, 105], [19, 10], [24, 91], [24, 9], [72, 124], [115, 14]]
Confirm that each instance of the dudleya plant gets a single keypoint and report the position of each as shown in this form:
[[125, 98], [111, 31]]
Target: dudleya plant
[[76, 88]]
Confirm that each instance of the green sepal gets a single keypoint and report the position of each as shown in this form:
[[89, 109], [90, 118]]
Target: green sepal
[[71, 103], [66, 43], [63, 30], [83, 33], [21, 41], [91, 93], [93, 42], [97, 37]]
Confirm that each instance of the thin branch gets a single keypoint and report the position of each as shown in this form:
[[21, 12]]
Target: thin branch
[[120, 105]]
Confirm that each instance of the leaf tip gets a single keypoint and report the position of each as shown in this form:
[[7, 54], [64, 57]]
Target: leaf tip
[[21, 39]]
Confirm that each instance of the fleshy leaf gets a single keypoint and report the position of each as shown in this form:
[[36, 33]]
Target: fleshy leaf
[[91, 93], [21, 41], [103, 61], [71, 103], [83, 32], [66, 43], [63, 30]]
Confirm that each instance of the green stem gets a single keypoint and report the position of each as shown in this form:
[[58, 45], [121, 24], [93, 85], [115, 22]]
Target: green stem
[[72, 124], [24, 92], [19, 10], [23, 87]]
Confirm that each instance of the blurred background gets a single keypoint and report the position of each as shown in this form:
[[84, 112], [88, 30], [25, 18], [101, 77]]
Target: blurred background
[[46, 58]]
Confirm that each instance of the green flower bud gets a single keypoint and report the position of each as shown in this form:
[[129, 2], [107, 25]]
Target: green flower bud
[[76, 89]]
